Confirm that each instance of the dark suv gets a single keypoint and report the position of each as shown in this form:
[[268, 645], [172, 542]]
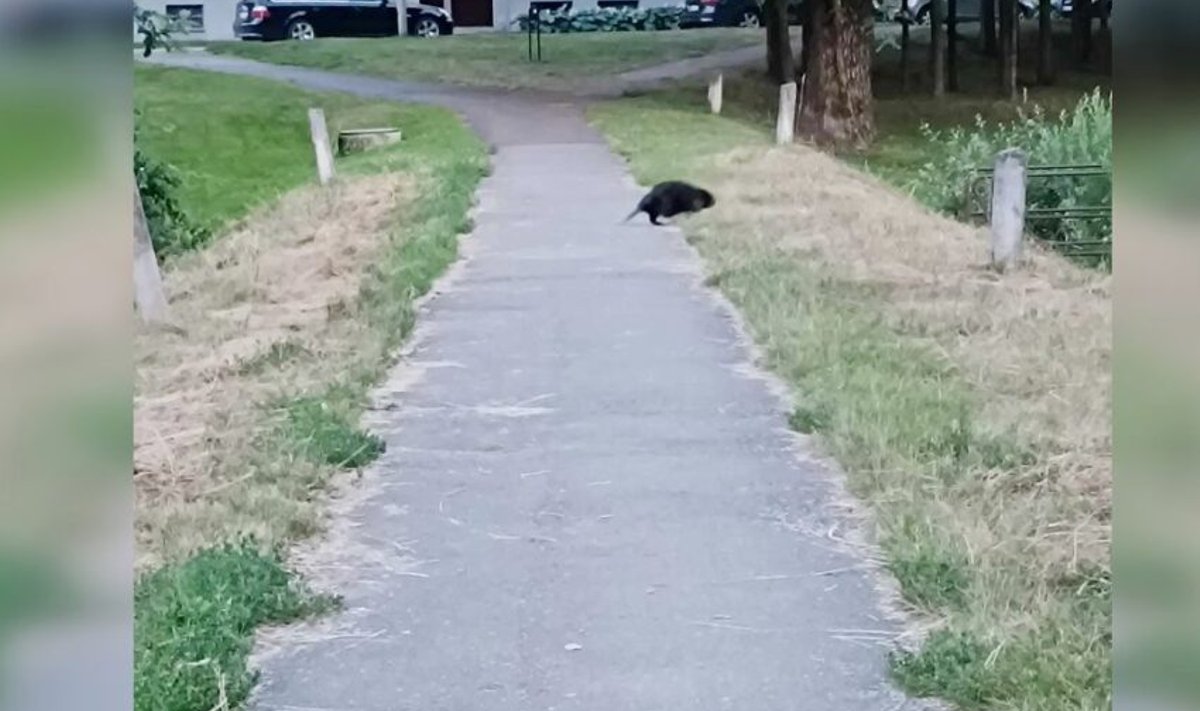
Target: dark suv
[[308, 19]]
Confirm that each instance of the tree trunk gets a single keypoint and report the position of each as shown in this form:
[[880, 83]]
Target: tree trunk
[[1045, 70], [937, 46], [1081, 31], [780, 62], [787, 62], [838, 103], [773, 54], [1008, 49], [987, 30], [1104, 48], [806, 25], [952, 45]]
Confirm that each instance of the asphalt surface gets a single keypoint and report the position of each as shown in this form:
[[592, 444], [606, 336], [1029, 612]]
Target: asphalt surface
[[590, 500]]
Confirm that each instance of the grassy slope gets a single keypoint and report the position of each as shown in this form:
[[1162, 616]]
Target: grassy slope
[[240, 142], [498, 59], [912, 429]]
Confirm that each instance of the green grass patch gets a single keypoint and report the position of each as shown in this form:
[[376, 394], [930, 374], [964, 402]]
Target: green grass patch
[[194, 623], [326, 434], [498, 59], [238, 142]]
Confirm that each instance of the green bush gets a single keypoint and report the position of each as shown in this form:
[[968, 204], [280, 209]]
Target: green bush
[[620, 19], [171, 229], [1080, 136]]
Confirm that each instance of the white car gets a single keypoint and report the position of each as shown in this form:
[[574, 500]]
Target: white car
[[968, 10]]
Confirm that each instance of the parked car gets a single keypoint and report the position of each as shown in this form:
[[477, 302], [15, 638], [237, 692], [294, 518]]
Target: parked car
[[967, 10], [309, 19], [1064, 7], [731, 13]]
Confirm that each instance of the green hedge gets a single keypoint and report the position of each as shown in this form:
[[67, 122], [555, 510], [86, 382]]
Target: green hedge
[[607, 20]]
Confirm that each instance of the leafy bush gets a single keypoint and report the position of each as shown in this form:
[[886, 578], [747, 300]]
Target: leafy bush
[[172, 230], [620, 19], [1080, 136]]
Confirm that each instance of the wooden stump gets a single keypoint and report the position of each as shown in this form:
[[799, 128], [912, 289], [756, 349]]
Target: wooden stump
[[364, 139]]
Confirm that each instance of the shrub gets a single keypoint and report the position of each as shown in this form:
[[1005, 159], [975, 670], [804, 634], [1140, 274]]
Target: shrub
[[1082, 135], [172, 230], [607, 20]]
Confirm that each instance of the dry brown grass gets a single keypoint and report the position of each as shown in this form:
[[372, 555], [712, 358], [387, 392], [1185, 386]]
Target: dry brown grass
[[266, 311], [1036, 345]]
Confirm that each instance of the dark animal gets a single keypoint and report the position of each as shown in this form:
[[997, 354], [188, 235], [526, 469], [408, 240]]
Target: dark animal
[[672, 198]]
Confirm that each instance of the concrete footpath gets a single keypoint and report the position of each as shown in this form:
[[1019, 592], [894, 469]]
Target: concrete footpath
[[590, 500]]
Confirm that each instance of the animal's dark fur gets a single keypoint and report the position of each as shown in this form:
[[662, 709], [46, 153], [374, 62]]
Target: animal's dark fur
[[672, 198]]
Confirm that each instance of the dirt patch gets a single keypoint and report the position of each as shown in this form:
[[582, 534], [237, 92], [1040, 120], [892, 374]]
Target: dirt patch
[[266, 311]]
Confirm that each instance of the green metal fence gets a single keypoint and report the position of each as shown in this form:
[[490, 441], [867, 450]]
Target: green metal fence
[[977, 205]]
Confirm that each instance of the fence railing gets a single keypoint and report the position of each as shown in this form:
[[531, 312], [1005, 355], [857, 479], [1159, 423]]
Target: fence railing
[[979, 197]]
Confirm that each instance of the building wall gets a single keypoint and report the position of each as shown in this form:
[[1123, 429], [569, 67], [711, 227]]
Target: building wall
[[215, 21], [505, 12]]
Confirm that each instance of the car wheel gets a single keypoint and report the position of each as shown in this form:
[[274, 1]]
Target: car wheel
[[748, 19], [428, 27], [301, 30]]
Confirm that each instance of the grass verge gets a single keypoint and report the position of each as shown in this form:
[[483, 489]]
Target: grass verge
[[971, 413], [240, 144], [498, 59], [243, 416]]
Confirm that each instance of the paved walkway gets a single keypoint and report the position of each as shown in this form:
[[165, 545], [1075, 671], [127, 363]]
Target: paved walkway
[[588, 501]]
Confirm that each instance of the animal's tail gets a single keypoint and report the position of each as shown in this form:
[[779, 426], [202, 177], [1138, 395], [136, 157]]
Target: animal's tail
[[641, 204]]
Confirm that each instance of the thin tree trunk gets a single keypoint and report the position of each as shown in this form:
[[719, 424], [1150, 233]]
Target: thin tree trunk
[[1045, 70], [952, 45], [838, 103], [987, 29], [773, 55], [787, 62], [780, 62], [1081, 31], [806, 28], [937, 47], [904, 52], [1008, 49]]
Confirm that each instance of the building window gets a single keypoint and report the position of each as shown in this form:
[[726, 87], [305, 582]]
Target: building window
[[605, 4], [190, 17]]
